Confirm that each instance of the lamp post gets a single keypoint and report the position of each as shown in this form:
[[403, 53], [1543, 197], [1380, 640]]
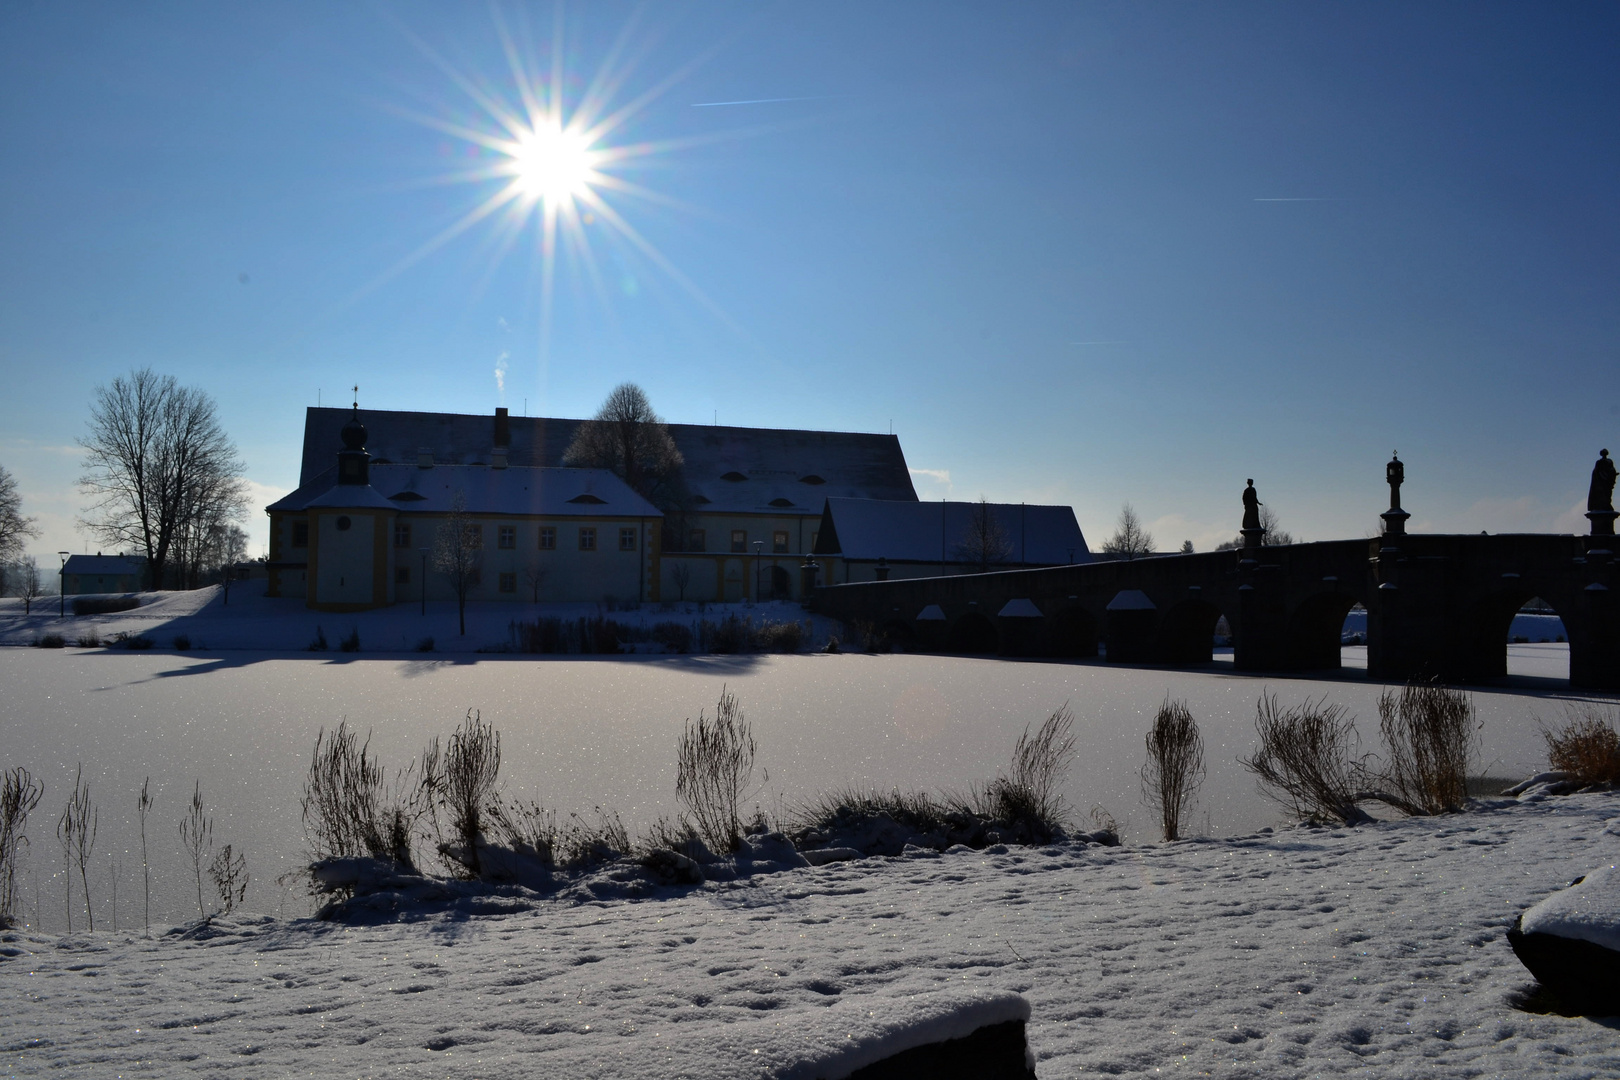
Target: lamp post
[[423, 585], [759, 548], [61, 585]]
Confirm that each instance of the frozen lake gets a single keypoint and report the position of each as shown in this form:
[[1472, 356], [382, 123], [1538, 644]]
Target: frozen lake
[[581, 732]]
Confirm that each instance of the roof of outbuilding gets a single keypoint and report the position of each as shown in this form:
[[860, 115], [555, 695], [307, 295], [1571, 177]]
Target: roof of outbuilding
[[936, 531], [728, 469], [104, 564], [549, 492]]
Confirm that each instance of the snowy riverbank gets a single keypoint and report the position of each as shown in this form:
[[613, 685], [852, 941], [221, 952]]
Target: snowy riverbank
[[1376, 951]]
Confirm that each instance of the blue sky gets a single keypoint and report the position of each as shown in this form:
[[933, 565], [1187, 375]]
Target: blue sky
[[1074, 253]]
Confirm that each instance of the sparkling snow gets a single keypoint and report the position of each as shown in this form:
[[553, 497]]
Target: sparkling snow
[[1376, 951]]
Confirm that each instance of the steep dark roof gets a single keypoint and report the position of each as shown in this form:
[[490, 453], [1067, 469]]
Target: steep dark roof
[[800, 467], [926, 532]]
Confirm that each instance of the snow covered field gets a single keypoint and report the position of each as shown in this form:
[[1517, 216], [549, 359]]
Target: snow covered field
[[581, 732], [1376, 951]]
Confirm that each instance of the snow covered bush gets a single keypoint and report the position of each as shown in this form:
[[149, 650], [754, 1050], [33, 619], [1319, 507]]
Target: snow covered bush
[[1175, 765], [1587, 747], [19, 794], [1304, 760], [714, 766], [1429, 735]]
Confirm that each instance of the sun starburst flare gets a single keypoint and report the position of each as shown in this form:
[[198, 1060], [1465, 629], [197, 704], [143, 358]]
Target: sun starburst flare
[[552, 163]]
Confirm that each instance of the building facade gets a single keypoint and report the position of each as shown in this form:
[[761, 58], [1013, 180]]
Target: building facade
[[739, 521]]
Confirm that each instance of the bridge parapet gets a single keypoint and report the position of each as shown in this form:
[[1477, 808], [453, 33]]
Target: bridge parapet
[[1438, 605]]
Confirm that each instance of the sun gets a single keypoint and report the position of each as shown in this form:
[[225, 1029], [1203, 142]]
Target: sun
[[553, 164]]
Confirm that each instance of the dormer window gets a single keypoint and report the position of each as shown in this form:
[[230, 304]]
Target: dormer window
[[701, 500], [587, 497], [781, 502], [734, 476], [812, 480]]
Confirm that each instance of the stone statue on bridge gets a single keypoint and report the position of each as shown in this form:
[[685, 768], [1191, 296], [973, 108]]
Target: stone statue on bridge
[[1601, 497], [1251, 508], [1395, 473]]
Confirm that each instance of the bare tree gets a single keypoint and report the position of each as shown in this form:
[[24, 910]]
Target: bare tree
[[1129, 539], [984, 543], [14, 528], [28, 584], [458, 550], [629, 438], [158, 467], [681, 576], [535, 577], [1272, 537]]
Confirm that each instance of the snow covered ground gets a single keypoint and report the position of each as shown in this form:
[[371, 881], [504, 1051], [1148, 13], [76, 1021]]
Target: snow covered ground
[[1304, 952], [583, 732]]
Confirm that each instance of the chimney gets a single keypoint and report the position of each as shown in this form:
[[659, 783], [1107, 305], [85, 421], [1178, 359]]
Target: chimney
[[424, 457], [503, 429]]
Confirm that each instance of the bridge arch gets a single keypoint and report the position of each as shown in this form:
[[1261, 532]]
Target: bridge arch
[[973, 633], [1074, 632], [1187, 632], [1316, 631], [1482, 653]]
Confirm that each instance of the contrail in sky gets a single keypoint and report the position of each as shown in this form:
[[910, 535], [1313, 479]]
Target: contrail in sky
[[1121, 342], [764, 101], [1312, 199]]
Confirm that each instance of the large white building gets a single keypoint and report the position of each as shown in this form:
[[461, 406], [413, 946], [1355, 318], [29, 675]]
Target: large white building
[[742, 520]]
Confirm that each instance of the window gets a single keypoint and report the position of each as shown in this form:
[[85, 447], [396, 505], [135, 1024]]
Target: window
[[475, 577], [402, 534], [343, 523], [506, 538], [475, 536], [779, 541], [694, 540], [301, 534], [402, 575], [587, 538], [739, 540], [548, 538], [814, 536], [627, 539], [508, 582]]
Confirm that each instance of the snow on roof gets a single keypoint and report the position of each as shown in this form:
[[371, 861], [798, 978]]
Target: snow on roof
[[550, 492], [1131, 600], [1020, 608], [935, 531], [728, 469], [104, 564]]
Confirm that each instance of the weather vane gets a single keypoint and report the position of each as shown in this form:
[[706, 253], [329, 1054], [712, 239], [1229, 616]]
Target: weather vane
[[356, 389]]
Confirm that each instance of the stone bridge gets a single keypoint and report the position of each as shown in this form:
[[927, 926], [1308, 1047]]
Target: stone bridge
[[1437, 606]]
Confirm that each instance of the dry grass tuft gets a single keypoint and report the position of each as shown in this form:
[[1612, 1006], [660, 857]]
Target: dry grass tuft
[[1429, 732], [461, 782], [19, 794], [1175, 766], [347, 809], [714, 767], [1304, 760], [1587, 745], [1028, 795]]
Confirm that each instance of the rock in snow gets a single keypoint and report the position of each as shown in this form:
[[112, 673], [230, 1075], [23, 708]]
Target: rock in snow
[[1571, 943]]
